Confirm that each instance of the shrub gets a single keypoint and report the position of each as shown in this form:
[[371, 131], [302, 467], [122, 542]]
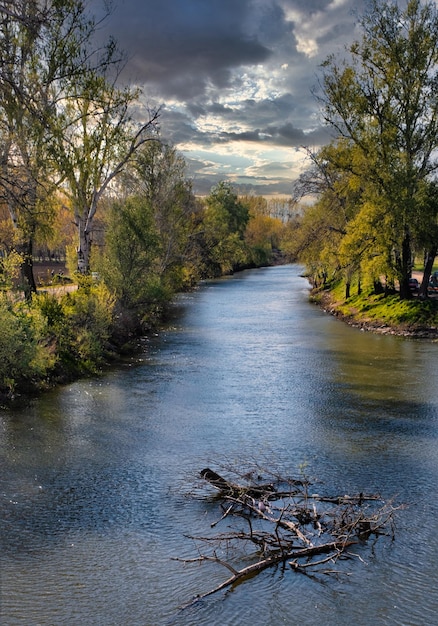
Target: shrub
[[25, 356], [84, 329]]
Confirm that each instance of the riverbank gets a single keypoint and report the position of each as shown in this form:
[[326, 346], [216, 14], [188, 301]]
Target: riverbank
[[382, 314]]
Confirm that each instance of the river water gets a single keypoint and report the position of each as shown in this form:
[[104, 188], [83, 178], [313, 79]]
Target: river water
[[96, 476]]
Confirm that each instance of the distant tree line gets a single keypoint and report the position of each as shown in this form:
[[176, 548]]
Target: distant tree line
[[375, 184]]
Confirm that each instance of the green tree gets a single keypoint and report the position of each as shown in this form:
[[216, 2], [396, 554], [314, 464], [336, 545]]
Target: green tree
[[336, 178], [224, 222], [426, 243], [132, 245], [62, 115], [94, 138], [158, 173], [24, 356], [384, 100]]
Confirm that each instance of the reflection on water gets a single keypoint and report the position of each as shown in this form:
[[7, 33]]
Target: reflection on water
[[95, 476]]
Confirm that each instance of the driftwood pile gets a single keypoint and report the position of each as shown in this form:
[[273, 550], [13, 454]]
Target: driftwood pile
[[282, 522]]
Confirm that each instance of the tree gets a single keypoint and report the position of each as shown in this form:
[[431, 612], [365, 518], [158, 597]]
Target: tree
[[427, 233], [225, 220], [336, 178], [94, 139], [159, 175], [26, 182], [263, 232], [93, 134], [63, 116], [131, 250], [384, 100]]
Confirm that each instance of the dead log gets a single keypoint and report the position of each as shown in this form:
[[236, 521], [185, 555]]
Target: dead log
[[238, 575], [226, 487], [331, 546], [216, 480], [261, 511], [347, 499], [337, 547], [288, 526]]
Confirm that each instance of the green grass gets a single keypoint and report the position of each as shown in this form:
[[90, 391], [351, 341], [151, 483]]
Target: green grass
[[392, 311], [381, 310]]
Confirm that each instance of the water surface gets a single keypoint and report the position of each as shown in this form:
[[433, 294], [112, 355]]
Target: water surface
[[95, 475]]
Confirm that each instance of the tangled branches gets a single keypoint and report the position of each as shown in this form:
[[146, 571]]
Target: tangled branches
[[280, 522]]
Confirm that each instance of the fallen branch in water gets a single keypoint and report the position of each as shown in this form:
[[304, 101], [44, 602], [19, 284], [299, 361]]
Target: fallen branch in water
[[287, 525]]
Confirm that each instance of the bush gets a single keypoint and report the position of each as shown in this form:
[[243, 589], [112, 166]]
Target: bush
[[25, 353], [77, 328], [84, 328]]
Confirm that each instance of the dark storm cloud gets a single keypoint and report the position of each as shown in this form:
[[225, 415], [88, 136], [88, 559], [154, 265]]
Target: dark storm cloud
[[183, 45], [259, 116], [232, 73], [285, 135]]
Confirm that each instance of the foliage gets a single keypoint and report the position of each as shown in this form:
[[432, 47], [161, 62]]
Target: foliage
[[262, 236], [71, 148], [63, 231], [128, 264], [24, 355], [94, 137], [316, 241], [224, 223], [53, 338], [9, 269], [62, 119], [225, 207], [33, 46], [323, 226], [88, 315], [158, 174], [383, 102]]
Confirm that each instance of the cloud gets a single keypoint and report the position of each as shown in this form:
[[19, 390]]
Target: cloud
[[183, 47], [235, 78]]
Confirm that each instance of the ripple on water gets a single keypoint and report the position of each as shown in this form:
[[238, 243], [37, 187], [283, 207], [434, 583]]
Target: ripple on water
[[249, 370]]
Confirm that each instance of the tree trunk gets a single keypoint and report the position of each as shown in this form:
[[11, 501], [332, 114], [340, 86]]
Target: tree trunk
[[378, 287], [26, 269], [428, 265], [406, 267], [84, 248]]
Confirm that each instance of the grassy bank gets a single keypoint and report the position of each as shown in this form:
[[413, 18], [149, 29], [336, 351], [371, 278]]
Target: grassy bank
[[382, 313]]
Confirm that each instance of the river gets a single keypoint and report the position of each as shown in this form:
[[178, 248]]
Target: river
[[96, 476]]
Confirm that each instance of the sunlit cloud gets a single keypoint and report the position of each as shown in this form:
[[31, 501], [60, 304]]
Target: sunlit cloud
[[235, 80]]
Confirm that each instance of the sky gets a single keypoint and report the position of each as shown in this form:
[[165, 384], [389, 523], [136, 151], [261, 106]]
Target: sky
[[236, 81]]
